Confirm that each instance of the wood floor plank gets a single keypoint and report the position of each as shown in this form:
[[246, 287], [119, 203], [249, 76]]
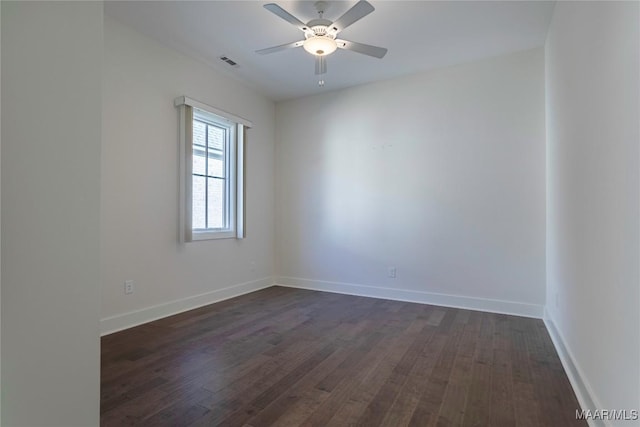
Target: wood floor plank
[[239, 394], [526, 405], [502, 406], [477, 343], [477, 410], [296, 392], [436, 317], [401, 411], [426, 413], [302, 409], [348, 384], [455, 396], [391, 376], [276, 389], [288, 357]]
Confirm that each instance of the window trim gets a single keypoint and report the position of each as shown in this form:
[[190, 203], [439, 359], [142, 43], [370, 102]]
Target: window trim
[[236, 125]]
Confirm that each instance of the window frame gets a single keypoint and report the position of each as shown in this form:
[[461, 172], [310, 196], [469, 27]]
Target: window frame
[[234, 174], [230, 190]]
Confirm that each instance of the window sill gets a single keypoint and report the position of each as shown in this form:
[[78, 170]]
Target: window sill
[[197, 236]]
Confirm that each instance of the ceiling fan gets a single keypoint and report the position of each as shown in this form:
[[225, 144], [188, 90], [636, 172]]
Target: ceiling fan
[[320, 34]]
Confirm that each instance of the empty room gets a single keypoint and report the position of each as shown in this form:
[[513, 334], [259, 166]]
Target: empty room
[[319, 213]]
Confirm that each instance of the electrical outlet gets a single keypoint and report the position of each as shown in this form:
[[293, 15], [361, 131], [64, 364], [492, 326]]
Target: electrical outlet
[[128, 287], [391, 272], [252, 266]]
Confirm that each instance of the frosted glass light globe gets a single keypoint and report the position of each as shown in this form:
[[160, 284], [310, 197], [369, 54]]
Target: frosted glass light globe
[[320, 45]]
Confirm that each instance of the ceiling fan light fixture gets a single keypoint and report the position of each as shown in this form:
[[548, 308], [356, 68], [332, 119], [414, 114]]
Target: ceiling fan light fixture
[[320, 45]]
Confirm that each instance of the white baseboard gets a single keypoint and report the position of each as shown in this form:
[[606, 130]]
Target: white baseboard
[[470, 303], [584, 392], [123, 321]]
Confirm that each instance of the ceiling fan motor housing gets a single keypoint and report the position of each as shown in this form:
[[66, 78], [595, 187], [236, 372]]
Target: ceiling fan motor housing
[[319, 27]]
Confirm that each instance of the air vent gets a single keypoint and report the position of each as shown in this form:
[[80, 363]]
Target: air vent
[[229, 61]]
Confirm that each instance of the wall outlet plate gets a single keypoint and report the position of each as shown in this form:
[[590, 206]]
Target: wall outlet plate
[[128, 287]]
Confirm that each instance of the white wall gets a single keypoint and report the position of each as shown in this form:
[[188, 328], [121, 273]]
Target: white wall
[[51, 90], [139, 191], [0, 216], [592, 94], [440, 174]]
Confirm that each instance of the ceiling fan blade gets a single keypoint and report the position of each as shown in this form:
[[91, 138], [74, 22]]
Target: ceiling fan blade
[[365, 49], [279, 48], [321, 65], [357, 12], [274, 8]]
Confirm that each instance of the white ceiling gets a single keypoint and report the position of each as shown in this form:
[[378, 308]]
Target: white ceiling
[[420, 35]]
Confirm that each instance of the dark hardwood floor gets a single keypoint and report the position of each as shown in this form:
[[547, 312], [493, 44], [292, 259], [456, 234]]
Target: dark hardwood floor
[[292, 357]]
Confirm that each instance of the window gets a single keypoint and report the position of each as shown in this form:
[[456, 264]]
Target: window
[[211, 172]]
